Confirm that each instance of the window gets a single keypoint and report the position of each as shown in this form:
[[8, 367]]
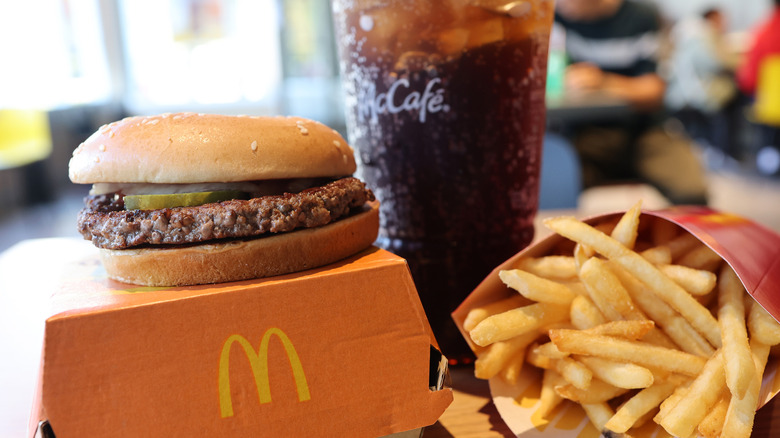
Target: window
[[52, 54], [201, 53]]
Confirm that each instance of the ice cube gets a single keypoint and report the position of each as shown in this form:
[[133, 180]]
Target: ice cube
[[485, 32], [381, 26], [411, 61], [452, 41]]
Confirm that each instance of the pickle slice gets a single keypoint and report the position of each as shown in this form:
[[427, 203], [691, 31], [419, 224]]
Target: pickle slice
[[156, 202]]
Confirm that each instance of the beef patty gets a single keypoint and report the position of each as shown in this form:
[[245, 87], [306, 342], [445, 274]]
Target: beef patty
[[105, 222]]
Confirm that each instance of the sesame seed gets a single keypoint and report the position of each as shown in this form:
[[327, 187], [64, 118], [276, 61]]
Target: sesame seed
[[102, 148], [304, 131], [336, 143], [254, 146], [97, 159], [154, 121], [111, 134]]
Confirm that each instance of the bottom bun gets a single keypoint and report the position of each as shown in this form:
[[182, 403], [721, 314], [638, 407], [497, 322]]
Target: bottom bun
[[244, 259]]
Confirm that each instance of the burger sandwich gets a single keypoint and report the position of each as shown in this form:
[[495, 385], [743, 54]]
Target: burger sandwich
[[182, 199]]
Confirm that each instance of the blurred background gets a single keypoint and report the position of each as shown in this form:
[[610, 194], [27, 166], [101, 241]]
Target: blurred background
[[70, 66]]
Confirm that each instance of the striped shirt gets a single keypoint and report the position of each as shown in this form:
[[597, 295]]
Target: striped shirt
[[625, 43]]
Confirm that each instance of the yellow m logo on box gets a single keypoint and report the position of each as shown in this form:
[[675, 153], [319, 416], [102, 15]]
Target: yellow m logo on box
[[259, 364]]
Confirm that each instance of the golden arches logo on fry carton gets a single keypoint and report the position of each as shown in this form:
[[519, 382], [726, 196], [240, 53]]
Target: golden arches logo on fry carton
[[636, 323], [259, 364], [703, 215]]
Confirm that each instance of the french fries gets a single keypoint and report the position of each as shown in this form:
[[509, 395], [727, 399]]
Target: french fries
[[549, 398], [626, 229], [683, 418], [478, 314], [739, 365], [608, 347], [537, 288], [553, 267], [631, 330], [640, 404], [762, 326], [633, 324], [742, 412], [605, 290], [712, 424], [584, 314], [598, 391], [672, 323], [669, 291], [618, 374], [497, 354], [695, 281], [516, 322], [658, 255]]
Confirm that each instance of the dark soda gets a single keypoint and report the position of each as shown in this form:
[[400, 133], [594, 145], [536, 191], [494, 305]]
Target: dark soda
[[446, 112]]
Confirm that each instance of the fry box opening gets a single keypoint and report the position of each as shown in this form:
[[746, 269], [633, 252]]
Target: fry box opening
[[654, 297]]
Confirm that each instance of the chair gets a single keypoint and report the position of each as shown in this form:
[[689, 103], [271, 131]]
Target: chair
[[767, 106], [766, 114], [24, 137], [25, 144], [561, 179]]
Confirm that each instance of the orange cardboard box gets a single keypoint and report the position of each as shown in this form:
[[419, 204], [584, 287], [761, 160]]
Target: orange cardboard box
[[342, 350]]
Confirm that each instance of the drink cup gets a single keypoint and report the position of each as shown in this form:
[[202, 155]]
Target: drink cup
[[445, 109]]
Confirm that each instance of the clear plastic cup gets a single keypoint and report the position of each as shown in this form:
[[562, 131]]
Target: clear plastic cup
[[445, 109]]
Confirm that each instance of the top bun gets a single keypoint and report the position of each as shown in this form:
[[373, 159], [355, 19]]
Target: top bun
[[197, 148]]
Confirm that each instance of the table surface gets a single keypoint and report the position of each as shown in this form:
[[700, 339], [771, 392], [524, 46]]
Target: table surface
[[472, 413], [591, 106]]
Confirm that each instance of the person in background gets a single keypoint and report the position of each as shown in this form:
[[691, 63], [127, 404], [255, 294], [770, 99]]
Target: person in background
[[702, 92], [765, 42], [613, 46]]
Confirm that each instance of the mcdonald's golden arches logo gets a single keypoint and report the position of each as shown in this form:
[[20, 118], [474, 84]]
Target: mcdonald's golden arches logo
[[258, 361]]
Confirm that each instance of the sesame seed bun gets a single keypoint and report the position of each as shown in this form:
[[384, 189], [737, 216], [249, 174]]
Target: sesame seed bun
[[198, 148]]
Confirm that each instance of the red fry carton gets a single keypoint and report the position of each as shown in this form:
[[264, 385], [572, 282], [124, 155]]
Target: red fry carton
[[752, 250], [342, 350]]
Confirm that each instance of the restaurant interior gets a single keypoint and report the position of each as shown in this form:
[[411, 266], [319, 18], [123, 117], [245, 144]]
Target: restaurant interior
[[87, 63], [90, 63]]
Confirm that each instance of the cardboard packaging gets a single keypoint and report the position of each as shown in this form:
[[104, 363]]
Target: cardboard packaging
[[342, 350], [749, 248]]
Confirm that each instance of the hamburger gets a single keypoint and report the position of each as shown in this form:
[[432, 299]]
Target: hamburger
[[184, 199]]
